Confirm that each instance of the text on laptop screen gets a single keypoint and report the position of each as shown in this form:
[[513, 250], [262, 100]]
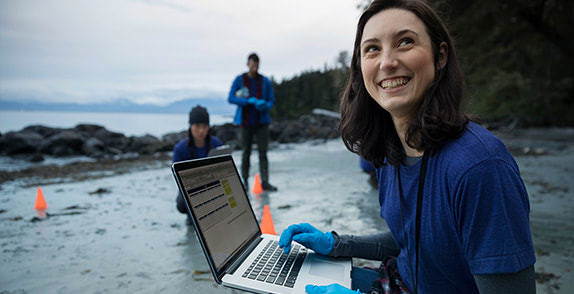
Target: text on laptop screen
[[220, 207]]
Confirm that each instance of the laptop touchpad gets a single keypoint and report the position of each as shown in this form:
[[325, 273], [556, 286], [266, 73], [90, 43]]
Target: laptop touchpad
[[327, 269]]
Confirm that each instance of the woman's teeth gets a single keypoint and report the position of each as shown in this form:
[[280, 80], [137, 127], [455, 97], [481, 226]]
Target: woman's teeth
[[391, 84]]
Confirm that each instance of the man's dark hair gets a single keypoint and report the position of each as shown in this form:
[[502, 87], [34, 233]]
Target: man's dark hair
[[368, 130], [253, 57]]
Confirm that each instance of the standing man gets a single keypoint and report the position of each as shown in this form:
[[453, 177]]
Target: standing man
[[253, 95]]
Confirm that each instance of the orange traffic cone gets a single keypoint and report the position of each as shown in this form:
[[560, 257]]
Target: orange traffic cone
[[267, 226], [40, 201], [257, 188]]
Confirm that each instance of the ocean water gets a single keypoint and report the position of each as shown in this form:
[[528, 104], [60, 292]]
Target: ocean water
[[130, 124]]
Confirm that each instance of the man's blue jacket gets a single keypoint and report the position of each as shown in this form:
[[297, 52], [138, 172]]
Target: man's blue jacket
[[266, 93]]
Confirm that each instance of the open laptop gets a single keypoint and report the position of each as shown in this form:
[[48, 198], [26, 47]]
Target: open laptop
[[238, 254]]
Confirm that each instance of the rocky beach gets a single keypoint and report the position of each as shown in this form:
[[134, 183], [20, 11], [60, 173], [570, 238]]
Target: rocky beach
[[113, 226]]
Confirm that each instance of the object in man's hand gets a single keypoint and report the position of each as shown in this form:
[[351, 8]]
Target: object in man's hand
[[243, 92]]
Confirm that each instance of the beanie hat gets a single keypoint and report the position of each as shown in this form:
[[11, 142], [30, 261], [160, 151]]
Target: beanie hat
[[198, 115]]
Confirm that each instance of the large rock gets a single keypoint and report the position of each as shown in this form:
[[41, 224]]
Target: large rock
[[173, 138], [146, 144], [43, 131], [93, 147], [228, 133], [88, 129], [306, 127], [15, 143], [112, 140], [99, 141], [65, 143], [291, 132]]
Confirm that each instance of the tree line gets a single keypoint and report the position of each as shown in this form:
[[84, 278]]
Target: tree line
[[517, 58], [311, 89]]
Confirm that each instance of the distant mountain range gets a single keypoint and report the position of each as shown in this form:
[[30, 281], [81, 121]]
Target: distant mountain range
[[213, 105]]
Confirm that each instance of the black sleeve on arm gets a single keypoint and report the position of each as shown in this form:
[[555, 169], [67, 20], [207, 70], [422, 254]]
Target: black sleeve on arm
[[373, 247], [516, 283]]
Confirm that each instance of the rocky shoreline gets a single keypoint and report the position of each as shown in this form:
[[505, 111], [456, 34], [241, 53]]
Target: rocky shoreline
[[35, 142], [111, 153]]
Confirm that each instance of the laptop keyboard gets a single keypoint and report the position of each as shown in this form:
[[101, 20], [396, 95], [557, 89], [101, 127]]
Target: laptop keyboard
[[275, 267]]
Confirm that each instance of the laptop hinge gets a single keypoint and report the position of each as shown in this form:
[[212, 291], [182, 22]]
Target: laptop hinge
[[243, 256]]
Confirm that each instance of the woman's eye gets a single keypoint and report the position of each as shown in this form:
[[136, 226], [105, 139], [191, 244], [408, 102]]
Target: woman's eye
[[371, 49], [405, 41]]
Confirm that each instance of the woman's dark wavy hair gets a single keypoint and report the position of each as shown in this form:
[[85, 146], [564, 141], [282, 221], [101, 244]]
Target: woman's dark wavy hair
[[368, 130]]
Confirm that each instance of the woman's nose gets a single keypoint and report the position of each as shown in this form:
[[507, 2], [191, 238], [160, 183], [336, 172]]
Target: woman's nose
[[389, 61]]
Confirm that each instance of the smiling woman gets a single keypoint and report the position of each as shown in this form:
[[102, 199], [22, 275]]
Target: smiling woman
[[449, 190]]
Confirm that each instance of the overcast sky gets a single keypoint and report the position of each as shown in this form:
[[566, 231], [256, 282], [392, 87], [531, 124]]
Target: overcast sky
[[160, 51]]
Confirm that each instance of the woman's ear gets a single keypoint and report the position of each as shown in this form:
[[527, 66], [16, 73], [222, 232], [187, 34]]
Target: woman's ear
[[442, 55]]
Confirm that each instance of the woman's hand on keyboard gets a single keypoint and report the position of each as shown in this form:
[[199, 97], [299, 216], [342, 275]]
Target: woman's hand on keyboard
[[308, 236]]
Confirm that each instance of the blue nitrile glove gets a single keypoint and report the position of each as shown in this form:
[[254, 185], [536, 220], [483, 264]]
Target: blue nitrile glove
[[260, 104], [252, 100], [331, 289], [308, 236]]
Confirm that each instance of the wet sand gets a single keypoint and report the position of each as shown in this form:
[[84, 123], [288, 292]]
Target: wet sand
[[119, 232]]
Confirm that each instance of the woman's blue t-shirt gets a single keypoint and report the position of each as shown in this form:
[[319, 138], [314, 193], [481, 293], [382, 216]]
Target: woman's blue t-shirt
[[474, 216]]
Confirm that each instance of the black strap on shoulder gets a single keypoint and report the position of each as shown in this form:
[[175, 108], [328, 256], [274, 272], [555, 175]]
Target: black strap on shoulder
[[422, 176]]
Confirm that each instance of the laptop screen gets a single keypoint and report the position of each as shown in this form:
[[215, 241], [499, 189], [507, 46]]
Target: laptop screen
[[220, 208]]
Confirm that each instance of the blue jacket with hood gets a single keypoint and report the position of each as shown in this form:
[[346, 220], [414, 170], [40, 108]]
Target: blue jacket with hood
[[266, 93]]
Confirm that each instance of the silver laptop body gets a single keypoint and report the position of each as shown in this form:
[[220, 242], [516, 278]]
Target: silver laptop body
[[232, 242], [221, 150]]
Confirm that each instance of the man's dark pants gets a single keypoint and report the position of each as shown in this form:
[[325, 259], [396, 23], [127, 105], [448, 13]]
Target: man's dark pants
[[261, 134]]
